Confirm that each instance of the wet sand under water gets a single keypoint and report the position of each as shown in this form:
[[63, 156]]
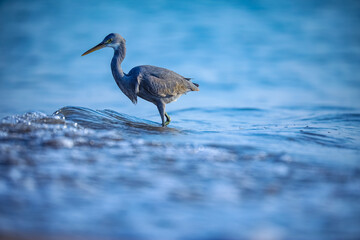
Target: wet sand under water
[[227, 173]]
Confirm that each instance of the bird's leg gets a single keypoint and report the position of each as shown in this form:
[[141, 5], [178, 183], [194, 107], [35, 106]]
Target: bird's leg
[[168, 119], [161, 108]]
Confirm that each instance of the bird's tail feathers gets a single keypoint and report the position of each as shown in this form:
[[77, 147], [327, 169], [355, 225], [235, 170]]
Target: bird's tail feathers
[[193, 88]]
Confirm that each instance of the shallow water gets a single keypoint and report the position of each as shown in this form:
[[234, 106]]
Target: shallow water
[[268, 149], [255, 172]]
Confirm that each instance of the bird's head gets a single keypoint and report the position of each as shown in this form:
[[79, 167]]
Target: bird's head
[[113, 40]]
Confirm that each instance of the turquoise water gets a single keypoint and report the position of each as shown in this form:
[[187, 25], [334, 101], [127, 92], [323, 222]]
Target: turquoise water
[[267, 149]]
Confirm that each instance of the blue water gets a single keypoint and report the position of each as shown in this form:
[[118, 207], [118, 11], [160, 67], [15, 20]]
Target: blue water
[[267, 149]]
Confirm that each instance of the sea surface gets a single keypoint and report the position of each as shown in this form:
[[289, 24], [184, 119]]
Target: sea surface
[[269, 148]]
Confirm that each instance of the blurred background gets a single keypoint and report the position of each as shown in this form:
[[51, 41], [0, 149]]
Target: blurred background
[[243, 53], [268, 149]]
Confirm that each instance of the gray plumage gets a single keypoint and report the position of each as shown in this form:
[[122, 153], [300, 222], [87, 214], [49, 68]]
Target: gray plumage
[[154, 84]]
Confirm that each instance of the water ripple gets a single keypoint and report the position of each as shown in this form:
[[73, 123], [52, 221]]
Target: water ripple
[[109, 119]]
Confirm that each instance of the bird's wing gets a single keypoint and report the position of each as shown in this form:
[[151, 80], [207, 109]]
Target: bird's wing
[[160, 82], [164, 87], [175, 78]]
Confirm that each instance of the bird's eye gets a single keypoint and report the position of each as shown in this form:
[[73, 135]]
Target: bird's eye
[[109, 41]]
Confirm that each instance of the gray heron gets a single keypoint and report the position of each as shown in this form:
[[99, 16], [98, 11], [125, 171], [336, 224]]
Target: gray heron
[[154, 84]]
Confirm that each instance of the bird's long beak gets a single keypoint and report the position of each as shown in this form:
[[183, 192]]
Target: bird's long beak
[[97, 47]]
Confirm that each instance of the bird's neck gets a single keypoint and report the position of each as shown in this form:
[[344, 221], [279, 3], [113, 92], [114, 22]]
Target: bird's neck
[[121, 80], [119, 55]]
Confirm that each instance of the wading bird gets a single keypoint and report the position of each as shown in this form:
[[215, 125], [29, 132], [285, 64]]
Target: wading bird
[[154, 84]]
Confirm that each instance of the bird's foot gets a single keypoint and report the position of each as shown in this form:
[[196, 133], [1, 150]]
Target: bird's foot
[[168, 119]]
